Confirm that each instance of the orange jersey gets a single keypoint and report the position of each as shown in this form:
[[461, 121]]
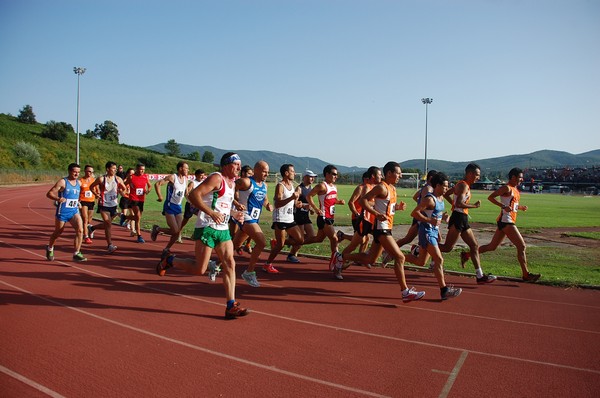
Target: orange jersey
[[467, 198], [511, 203], [386, 206], [86, 195]]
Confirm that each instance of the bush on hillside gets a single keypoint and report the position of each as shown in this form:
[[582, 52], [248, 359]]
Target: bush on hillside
[[57, 131], [26, 115], [150, 160], [27, 153]]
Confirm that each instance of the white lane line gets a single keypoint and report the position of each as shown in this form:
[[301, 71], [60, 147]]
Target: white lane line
[[30, 383], [453, 375], [202, 349]]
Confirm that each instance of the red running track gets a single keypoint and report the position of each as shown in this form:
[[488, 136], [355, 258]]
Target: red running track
[[111, 327]]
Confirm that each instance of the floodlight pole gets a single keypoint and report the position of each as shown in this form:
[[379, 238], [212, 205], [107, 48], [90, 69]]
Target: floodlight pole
[[78, 71], [427, 102]]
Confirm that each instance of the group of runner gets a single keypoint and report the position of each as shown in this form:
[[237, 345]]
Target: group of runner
[[228, 209]]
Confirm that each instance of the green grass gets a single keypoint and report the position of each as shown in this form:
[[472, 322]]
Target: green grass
[[560, 266], [586, 235]]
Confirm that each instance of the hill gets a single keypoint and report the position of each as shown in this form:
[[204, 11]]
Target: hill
[[54, 156], [493, 167]]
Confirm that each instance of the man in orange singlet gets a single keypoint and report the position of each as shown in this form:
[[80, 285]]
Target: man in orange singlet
[[87, 200]]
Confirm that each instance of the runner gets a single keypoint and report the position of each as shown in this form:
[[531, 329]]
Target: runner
[[381, 203], [327, 194], [66, 193], [189, 211], [139, 186], [509, 204], [429, 214], [87, 200], [458, 225], [107, 189], [252, 193], [302, 213], [285, 199], [214, 198], [172, 210]]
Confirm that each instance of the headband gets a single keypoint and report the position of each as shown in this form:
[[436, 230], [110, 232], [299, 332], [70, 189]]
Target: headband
[[231, 159]]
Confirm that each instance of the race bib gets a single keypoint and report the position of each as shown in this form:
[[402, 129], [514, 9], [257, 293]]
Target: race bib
[[139, 191], [71, 203], [255, 213], [88, 194], [332, 210]]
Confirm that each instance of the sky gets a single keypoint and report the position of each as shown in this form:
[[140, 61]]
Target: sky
[[337, 80]]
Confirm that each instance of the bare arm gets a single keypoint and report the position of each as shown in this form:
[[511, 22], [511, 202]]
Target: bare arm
[[54, 192]]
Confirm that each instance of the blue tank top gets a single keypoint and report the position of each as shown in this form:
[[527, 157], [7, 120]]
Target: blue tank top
[[254, 199], [71, 194], [436, 213]]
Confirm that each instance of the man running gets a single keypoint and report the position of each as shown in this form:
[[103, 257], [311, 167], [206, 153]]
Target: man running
[[326, 191], [66, 192], [303, 212], [189, 211], [87, 200], [107, 189], [172, 209], [214, 199], [253, 197], [139, 186], [381, 202], [458, 225], [429, 213], [509, 204], [285, 200]]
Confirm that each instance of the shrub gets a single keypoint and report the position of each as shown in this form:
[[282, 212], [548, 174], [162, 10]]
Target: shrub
[[149, 160], [27, 153], [57, 131]]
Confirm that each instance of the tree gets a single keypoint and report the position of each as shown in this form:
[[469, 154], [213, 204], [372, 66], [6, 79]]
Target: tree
[[172, 148], [57, 131], [194, 156], [208, 157], [26, 115], [107, 131]]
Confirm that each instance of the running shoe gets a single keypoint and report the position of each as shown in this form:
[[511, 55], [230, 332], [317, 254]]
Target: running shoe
[[235, 311], [414, 250], [464, 257], [91, 231], [247, 248], [333, 260], [412, 295], [87, 240], [339, 261], [238, 251], [112, 248], [292, 259], [386, 258], [166, 262], [340, 236], [132, 233], [532, 277], [155, 231], [450, 291], [250, 278], [486, 278], [179, 239], [140, 239], [268, 268], [79, 257], [337, 273], [49, 254], [213, 270]]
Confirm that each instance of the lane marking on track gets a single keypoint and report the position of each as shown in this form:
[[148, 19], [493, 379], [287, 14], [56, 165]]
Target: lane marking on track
[[453, 375], [202, 349], [30, 383]]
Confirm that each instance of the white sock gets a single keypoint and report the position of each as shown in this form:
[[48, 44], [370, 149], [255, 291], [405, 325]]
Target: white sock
[[479, 272]]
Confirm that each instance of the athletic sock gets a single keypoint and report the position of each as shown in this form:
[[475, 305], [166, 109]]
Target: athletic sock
[[405, 292], [443, 290], [230, 303], [479, 272]]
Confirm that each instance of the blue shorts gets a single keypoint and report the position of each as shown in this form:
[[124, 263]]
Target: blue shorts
[[66, 214], [428, 237], [170, 208]]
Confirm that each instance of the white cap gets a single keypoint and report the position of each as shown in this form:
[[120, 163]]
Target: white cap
[[309, 173]]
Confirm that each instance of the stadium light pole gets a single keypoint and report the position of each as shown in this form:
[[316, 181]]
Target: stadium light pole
[[78, 71], [427, 102]]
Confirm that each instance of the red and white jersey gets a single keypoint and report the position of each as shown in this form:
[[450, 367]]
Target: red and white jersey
[[328, 200], [220, 200], [511, 206], [386, 206]]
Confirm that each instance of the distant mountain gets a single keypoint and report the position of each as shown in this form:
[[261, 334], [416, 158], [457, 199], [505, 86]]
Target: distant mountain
[[494, 167], [274, 159]]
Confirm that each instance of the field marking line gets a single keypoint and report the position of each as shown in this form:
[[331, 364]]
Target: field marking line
[[201, 349], [30, 383], [453, 374], [327, 326]]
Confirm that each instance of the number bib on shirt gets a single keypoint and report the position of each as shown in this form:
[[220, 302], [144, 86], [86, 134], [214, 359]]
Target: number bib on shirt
[[71, 203]]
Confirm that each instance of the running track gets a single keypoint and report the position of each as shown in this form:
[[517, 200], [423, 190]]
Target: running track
[[112, 328]]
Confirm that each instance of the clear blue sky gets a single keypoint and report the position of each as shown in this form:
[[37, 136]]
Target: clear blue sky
[[338, 80]]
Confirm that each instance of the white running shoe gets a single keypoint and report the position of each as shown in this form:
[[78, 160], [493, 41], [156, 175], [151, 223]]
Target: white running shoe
[[412, 295], [213, 270], [112, 248], [250, 278]]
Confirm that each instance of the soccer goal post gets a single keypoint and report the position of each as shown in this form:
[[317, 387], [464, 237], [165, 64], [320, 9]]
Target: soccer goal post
[[409, 180]]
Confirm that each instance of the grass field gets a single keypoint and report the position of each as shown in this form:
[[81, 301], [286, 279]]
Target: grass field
[[559, 265]]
